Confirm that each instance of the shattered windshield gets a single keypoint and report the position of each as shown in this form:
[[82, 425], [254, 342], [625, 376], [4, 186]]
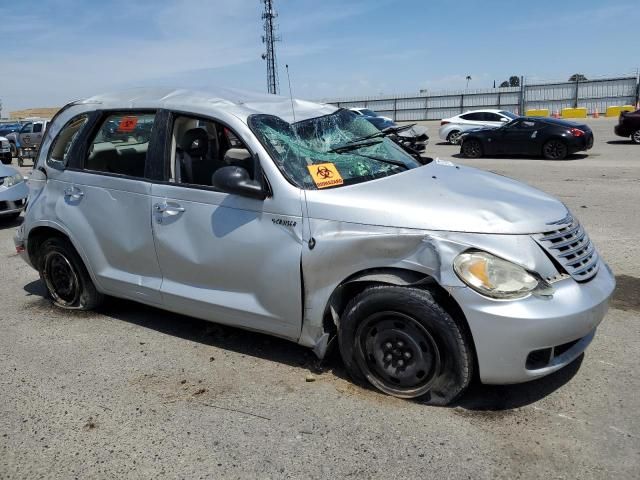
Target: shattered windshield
[[303, 150]]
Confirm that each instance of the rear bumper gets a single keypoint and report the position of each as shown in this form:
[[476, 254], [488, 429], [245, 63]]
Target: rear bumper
[[509, 333]]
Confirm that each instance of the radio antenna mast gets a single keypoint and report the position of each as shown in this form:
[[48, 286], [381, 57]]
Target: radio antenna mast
[[293, 110], [269, 38]]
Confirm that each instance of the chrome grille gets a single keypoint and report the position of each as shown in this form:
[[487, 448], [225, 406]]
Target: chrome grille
[[571, 247]]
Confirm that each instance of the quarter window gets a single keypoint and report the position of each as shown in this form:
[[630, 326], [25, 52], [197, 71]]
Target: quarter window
[[121, 144], [62, 144]]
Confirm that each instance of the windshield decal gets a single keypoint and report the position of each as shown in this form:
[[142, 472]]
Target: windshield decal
[[325, 175]]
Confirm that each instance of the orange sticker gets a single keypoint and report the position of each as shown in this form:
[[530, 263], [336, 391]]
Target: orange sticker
[[325, 175], [127, 124]]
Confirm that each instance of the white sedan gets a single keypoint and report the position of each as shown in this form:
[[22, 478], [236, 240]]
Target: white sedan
[[452, 128]]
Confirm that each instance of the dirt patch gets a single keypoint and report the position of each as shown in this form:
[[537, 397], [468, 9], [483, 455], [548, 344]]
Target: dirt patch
[[627, 294]]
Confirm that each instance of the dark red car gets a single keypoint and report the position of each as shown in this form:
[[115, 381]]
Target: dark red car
[[629, 125]]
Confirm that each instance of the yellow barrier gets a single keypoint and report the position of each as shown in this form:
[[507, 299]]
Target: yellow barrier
[[580, 112], [615, 111], [539, 112]]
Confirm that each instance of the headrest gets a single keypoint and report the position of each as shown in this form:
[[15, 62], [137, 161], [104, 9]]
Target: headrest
[[235, 155], [195, 142]]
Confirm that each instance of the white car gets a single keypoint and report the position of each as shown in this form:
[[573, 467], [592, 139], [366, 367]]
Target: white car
[[365, 112], [452, 128]]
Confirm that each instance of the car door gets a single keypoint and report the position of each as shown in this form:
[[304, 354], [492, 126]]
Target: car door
[[519, 137], [103, 199], [24, 136], [225, 257]]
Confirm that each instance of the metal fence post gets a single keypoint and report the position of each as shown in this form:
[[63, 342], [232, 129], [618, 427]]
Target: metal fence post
[[521, 105], [575, 98], [395, 109]]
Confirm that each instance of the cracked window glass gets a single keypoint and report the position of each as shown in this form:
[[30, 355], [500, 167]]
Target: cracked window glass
[[295, 147]]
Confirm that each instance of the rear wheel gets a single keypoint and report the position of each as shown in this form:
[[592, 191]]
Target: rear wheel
[[403, 343], [454, 137], [14, 150], [20, 162], [68, 283], [471, 148], [635, 136], [554, 150]]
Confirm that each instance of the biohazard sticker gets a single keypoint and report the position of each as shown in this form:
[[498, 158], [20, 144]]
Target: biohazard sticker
[[325, 175], [127, 124]]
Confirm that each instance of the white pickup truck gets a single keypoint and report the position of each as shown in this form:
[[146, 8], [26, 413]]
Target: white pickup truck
[[28, 139]]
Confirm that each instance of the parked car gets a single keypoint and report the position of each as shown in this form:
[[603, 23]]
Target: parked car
[[5, 151], [10, 132], [427, 272], [367, 112], [412, 137], [27, 140], [629, 126], [550, 138], [452, 128], [13, 192]]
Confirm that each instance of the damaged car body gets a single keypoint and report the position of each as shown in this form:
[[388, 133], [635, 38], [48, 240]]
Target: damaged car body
[[306, 222]]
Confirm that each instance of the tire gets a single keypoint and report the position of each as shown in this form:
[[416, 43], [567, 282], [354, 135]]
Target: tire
[[454, 137], [555, 149], [403, 343], [471, 148], [14, 150], [635, 137], [68, 283], [20, 162], [6, 161]]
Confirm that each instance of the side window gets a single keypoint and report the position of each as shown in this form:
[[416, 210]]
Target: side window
[[27, 128], [37, 127], [492, 117], [120, 145], [477, 116], [199, 147], [62, 144]]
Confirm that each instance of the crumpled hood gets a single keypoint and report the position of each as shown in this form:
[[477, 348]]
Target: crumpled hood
[[440, 196]]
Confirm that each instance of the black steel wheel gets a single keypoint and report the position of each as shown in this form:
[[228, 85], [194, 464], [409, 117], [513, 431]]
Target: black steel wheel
[[554, 149], [471, 148], [402, 342], [454, 137], [65, 276], [395, 349], [635, 136]]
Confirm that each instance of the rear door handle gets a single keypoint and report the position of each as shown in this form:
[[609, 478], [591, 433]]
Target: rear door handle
[[73, 193]]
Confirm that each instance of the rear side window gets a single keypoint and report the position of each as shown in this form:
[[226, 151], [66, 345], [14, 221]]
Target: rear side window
[[62, 144], [478, 116], [121, 144]]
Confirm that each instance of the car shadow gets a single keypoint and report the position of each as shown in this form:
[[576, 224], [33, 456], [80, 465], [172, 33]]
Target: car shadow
[[620, 142], [478, 397], [6, 223], [573, 156]]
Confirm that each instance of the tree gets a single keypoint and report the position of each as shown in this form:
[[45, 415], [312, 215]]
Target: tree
[[577, 77], [514, 81], [504, 84]]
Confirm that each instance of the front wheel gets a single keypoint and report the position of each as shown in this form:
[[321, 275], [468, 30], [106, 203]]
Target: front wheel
[[6, 161], [471, 148], [68, 283], [403, 343], [635, 136], [554, 150]]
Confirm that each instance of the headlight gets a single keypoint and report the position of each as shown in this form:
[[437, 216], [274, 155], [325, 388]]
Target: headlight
[[13, 180], [497, 278]]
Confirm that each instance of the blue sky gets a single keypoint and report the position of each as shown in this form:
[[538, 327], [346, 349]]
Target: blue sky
[[54, 51]]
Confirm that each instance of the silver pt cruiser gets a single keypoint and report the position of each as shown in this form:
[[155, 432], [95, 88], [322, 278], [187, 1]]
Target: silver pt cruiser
[[303, 221]]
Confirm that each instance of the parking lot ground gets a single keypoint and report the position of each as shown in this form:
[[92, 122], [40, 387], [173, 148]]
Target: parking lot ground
[[131, 391]]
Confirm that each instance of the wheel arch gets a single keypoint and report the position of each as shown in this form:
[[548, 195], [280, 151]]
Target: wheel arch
[[359, 281]]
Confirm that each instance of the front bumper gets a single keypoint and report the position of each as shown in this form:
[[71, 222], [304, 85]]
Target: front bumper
[[505, 333], [12, 199]]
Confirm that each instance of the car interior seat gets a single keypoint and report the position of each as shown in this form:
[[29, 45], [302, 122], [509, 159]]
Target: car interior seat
[[192, 150]]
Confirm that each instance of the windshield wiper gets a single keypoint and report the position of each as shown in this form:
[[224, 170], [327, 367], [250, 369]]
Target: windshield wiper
[[361, 142], [355, 145], [397, 163]]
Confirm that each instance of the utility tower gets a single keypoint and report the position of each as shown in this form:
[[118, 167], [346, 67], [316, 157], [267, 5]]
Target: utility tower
[[269, 38]]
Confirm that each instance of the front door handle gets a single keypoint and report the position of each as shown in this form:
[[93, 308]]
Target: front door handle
[[73, 193], [168, 209]]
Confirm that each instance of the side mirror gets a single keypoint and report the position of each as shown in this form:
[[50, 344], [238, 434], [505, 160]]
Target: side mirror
[[236, 180]]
